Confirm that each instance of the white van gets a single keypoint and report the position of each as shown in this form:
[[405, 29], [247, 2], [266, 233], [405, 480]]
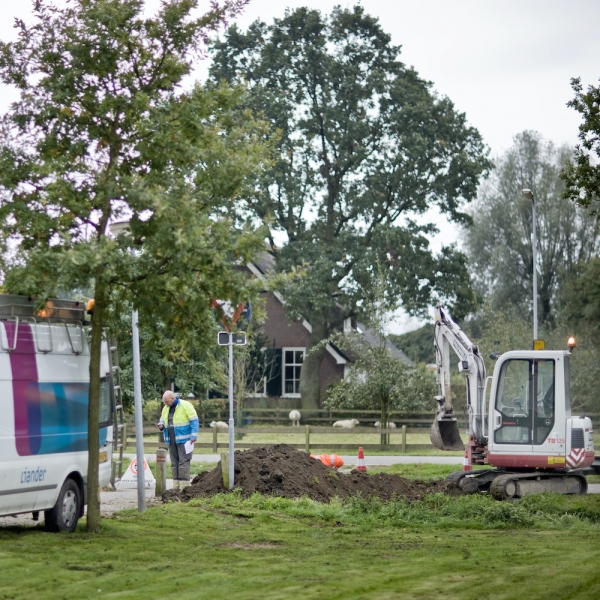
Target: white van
[[44, 391]]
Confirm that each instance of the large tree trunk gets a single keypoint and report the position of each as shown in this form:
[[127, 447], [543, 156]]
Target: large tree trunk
[[310, 382], [93, 510]]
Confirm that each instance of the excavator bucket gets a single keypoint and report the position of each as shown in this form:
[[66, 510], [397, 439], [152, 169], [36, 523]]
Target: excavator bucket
[[445, 435]]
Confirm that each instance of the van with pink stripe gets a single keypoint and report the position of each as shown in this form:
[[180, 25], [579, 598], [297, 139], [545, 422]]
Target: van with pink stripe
[[44, 393]]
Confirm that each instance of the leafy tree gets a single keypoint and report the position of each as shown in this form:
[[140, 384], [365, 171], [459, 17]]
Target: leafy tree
[[499, 242], [376, 378], [365, 147], [102, 131], [582, 173], [580, 297], [417, 344], [198, 371]]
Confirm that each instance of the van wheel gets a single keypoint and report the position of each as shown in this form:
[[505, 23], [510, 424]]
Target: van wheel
[[63, 516]]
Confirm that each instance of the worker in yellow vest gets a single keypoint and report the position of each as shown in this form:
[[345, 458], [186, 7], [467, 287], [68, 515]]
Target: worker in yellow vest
[[179, 424]]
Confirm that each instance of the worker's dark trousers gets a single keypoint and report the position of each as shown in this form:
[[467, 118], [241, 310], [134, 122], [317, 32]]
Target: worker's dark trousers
[[180, 461]]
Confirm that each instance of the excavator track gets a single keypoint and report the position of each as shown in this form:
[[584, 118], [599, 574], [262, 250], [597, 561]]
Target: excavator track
[[517, 485], [471, 482]]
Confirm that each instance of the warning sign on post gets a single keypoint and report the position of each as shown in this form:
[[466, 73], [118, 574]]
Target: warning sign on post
[[129, 479]]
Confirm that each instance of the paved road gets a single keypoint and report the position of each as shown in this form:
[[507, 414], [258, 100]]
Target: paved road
[[350, 460]]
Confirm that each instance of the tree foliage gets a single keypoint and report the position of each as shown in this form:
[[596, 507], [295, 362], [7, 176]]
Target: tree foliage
[[499, 242], [417, 344], [102, 132], [580, 297], [365, 147], [582, 173], [192, 372], [377, 379]]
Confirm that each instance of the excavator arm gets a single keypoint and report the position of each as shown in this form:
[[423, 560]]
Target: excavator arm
[[448, 335]]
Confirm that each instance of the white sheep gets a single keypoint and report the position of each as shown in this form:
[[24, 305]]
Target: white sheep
[[389, 426], [347, 424], [295, 418], [220, 425]]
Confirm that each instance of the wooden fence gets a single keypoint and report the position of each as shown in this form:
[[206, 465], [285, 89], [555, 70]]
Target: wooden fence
[[306, 430], [320, 423]]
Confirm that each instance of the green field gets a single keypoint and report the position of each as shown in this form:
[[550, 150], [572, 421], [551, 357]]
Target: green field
[[323, 440], [271, 548]]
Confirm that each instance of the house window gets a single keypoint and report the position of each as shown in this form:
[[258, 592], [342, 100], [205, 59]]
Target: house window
[[292, 364]]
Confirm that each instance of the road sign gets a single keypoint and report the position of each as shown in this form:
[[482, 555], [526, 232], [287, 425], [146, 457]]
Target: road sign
[[230, 316], [237, 338]]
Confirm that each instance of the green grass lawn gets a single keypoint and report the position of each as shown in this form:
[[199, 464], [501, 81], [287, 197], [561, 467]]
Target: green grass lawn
[[271, 548], [324, 441]]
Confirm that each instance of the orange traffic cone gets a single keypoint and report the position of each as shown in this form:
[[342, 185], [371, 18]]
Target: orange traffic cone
[[331, 460], [361, 460], [467, 462]]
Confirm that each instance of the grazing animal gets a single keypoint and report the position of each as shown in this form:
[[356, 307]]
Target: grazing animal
[[389, 426], [220, 425], [295, 418], [347, 424]]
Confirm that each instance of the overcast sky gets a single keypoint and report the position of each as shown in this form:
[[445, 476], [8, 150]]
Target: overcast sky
[[506, 63]]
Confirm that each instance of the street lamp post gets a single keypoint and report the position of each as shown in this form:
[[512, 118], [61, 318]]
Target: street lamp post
[[529, 195], [116, 229]]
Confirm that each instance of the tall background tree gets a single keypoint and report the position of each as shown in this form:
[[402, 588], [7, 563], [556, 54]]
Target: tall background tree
[[499, 241], [103, 131], [365, 147], [582, 173]]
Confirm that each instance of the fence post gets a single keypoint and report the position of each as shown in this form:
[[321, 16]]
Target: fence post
[[307, 446], [215, 431], [161, 472], [225, 468], [403, 439]]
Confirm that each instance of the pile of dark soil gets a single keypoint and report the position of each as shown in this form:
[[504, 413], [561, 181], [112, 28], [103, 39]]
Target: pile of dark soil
[[284, 471]]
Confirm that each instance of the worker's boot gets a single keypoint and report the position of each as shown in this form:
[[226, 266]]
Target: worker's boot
[[183, 484], [176, 484]]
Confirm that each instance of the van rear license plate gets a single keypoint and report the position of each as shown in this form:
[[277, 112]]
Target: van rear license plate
[[103, 456]]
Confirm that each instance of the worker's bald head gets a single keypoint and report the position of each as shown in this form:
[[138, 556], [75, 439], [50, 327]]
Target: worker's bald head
[[169, 397]]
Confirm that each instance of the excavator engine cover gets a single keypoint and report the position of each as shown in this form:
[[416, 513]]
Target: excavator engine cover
[[445, 435]]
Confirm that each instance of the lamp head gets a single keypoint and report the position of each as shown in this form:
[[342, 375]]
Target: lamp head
[[571, 342], [528, 194], [118, 227]]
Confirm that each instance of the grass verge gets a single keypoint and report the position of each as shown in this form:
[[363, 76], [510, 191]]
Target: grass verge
[[275, 548]]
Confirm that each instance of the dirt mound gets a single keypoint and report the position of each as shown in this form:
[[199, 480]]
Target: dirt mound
[[284, 471]]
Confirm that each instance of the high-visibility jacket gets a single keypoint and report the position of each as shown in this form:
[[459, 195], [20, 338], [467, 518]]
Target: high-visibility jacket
[[185, 422]]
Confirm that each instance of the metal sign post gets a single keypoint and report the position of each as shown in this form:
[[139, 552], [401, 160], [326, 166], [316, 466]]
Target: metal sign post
[[225, 338], [231, 437], [139, 422]]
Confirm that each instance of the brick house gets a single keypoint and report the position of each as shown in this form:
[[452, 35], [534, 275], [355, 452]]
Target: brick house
[[288, 340]]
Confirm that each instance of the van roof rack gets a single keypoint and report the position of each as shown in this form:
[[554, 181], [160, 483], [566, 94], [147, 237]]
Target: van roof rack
[[54, 309]]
